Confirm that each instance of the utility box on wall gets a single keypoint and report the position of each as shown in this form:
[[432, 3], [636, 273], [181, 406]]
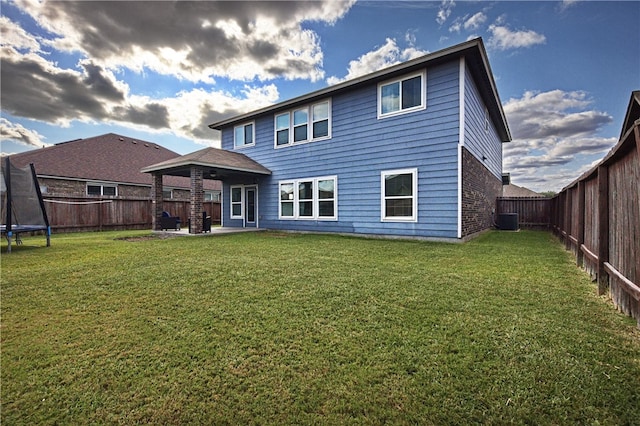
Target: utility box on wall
[[508, 221]]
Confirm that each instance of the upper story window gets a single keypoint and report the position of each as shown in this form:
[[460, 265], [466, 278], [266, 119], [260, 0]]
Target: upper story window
[[402, 95], [243, 135], [312, 122], [102, 189]]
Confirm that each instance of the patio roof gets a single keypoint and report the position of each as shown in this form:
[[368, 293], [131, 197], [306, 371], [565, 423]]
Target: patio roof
[[217, 164]]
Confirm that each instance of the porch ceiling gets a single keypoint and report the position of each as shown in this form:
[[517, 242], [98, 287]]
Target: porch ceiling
[[218, 164]]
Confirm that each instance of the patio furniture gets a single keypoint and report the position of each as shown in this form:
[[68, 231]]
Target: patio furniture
[[169, 222]]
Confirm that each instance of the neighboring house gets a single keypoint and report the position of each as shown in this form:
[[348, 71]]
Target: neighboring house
[[413, 150], [512, 190], [105, 166]]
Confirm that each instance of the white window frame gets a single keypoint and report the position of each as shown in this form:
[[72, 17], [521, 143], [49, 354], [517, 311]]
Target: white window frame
[[236, 145], [213, 196], [310, 122], [400, 111], [169, 191], [315, 199], [102, 186], [414, 196], [232, 203]]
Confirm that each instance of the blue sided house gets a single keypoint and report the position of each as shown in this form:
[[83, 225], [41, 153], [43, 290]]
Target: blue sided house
[[413, 150]]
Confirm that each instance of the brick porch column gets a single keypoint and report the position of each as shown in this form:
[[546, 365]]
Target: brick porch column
[[197, 197], [156, 201]]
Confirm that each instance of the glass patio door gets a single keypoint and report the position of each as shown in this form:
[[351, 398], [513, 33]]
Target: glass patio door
[[251, 207]]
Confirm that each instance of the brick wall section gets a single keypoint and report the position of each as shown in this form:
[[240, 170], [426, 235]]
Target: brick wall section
[[197, 197], [156, 201], [63, 187], [480, 188], [78, 188]]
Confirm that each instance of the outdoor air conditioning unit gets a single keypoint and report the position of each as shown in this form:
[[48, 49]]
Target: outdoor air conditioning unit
[[508, 221]]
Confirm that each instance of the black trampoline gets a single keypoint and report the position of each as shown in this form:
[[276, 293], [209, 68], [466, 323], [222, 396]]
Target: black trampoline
[[22, 205]]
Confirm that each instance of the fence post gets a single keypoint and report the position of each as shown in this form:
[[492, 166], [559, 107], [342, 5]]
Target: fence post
[[603, 228], [580, 224], [567, 218], [99, 206]]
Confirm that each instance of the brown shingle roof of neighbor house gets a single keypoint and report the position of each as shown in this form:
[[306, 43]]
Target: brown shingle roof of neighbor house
[[109, 157], [512, 190], [216, 160]]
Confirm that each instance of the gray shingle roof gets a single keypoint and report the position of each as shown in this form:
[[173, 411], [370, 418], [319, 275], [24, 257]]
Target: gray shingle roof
[[476, 59]]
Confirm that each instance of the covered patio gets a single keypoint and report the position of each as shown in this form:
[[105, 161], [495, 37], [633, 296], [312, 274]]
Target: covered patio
[[207, 163]]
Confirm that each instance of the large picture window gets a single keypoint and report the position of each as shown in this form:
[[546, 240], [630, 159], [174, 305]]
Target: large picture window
[[403, 95], [310, 123], [399, 195], [243, 135], [309, 199]]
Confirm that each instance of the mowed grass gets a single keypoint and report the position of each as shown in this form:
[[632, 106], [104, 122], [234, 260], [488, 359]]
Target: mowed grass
[[273, 328]]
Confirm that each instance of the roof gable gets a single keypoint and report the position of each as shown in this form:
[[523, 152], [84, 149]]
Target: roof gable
[[218, 161], [473, 51]]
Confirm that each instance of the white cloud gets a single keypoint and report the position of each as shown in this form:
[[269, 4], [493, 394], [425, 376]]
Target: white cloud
[[475, 21], [18, 133], [191, 112], [385, 56], [195, 41], [567, 4], [554, 134], [444, 11], [38, 89], [503, 38], [13, 35]]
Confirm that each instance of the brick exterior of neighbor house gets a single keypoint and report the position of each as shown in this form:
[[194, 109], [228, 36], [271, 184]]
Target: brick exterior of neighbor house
[[65, 169], [480, 188], [77, 179]]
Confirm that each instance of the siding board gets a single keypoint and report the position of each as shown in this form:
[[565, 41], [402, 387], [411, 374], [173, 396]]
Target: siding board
[[360, 148]]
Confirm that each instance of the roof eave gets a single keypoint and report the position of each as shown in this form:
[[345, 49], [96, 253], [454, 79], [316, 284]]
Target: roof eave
[[381, 75], [187, 164]]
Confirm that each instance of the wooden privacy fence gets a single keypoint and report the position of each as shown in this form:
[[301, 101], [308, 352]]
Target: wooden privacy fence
[[74, 214], [598, 218], [533, 212]]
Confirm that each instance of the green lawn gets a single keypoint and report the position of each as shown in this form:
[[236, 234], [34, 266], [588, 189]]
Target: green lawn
[[272, 328]]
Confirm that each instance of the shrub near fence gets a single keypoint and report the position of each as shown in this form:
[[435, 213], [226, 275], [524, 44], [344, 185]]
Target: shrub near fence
[[598, 218], [76, 214]]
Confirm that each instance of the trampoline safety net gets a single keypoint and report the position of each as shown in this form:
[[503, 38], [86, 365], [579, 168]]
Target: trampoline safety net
[[22, 208]]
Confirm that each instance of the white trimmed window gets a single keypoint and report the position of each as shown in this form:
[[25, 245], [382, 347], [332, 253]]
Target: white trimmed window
[[244, 135], [309, 199], [403, 95], [102, 189], [399, 201], [307, 124], [236, 202], [212, 196]]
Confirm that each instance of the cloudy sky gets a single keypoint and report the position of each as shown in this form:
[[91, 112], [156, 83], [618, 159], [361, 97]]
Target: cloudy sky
[[162, 71]]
